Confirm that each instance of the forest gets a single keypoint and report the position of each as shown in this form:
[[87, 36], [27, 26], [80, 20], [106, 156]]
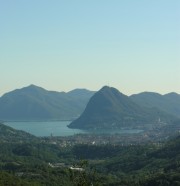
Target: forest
[[32, 161]]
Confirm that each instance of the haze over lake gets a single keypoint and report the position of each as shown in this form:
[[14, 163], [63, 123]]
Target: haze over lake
[[58, 128]]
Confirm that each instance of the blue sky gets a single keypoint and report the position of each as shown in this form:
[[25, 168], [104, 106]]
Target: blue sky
[[65, 44]]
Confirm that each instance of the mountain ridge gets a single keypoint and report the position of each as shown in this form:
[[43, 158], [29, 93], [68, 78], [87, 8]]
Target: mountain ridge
[[169, 103], [36, 103]]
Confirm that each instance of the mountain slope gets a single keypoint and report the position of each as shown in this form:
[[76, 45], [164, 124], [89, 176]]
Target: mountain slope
[[109, 108], [169, 103], [8, 134], [36, 103]]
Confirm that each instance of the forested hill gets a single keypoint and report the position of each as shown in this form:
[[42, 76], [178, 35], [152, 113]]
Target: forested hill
[[108, 108], [36, 103]]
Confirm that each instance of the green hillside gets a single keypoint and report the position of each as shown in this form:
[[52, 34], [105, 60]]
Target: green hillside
[[8, 134]]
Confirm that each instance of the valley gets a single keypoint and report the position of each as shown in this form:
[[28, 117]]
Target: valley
[[149, 157]]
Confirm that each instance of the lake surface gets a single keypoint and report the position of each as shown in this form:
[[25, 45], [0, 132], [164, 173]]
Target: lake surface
[[59, 128]]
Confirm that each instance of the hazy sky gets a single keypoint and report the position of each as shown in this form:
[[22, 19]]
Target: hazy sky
[[132, 45]]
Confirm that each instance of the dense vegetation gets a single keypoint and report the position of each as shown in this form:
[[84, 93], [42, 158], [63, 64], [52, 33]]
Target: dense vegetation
[[39, 162]]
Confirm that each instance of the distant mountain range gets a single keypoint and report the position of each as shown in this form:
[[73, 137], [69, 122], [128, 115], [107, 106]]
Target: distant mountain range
[[108, 108], [36, 103], [169, 103]]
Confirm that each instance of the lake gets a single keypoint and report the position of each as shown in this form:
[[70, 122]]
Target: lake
[[59, 128]]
